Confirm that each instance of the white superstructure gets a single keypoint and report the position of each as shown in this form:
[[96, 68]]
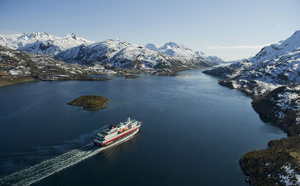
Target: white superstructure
[[113, 133]]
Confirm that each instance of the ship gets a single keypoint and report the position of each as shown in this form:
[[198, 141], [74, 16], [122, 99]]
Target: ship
[[115, 133]]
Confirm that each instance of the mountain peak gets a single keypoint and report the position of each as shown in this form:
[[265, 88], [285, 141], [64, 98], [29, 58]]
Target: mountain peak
[[151, 46], [34, 42], [282, 47], [72, 35], [200, 53], [297, 33], [172, 44], [35, 34]]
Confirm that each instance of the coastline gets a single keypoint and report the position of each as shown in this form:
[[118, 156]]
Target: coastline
[[15, 79], [276, 165], [280, 105], [11, 80], [6, 80]]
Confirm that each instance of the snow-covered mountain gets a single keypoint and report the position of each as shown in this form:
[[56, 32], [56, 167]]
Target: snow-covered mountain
[[179, 52], [275, 50], [110, 52], [272, 78], [184, 53], [265, 76], [214, 59], [273, 66], [35, 42], [19, 66], [128, 55]]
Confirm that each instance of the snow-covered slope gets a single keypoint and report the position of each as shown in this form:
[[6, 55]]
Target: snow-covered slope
[[276, 64], [16, 64], [117, 53], [179, 52], [275, 50], [35, 42], [282, 105], [96, 52], [111, 52], [265, 76], [183, 53], [128, 55], [215, 60]]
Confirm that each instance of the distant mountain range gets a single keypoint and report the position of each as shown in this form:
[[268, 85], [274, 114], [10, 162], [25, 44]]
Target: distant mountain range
[[34, 42], [113, 53]]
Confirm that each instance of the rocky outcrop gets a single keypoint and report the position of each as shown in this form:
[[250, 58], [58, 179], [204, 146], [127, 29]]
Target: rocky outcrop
[[90, 102], [282, 105], [276, 165], [131, 76]]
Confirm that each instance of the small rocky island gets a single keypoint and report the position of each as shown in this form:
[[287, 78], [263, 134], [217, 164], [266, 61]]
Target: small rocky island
[[131, 76], [90, 102]]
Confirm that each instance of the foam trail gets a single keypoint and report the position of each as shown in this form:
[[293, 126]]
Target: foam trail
[[51, 166], [14, 162]]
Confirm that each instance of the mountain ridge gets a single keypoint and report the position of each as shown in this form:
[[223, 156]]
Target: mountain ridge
[[34, 42], [110, 52], [275, 65]]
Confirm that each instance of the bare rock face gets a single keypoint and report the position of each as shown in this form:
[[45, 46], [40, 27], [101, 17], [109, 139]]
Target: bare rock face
[[90, 102]]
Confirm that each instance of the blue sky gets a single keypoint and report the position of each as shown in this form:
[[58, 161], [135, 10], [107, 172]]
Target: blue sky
[[230, 29]]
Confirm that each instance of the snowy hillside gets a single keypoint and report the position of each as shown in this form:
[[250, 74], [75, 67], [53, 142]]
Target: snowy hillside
[[35, 42], [20, 66], [183, 53], [128, 55], [272, 78], [114, 53], [275, 50], [179, 52], [214, 59], [282, 105], [268, 75], [275, 64]]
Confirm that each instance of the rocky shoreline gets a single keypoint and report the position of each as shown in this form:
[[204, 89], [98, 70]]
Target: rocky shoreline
[[20, 67], [272, 79], [282, 105], [11, 80], [276, 165]]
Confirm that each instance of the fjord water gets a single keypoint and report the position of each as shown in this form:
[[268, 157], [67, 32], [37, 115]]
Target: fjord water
[[194, 132]]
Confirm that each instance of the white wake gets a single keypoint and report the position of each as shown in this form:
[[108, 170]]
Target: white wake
[[53, 165]]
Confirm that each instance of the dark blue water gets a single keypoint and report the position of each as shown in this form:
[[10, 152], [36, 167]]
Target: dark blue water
[[194, 132]]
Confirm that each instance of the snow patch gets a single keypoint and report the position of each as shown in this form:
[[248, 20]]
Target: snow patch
[[291, 177]]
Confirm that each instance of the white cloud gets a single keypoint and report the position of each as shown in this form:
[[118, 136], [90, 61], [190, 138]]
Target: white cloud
[[236, 47]]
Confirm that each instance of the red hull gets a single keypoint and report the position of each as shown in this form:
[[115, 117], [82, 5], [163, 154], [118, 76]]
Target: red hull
[[99, 144]]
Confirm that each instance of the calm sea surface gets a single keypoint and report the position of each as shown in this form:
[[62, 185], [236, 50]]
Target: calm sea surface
[[194, 132]]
